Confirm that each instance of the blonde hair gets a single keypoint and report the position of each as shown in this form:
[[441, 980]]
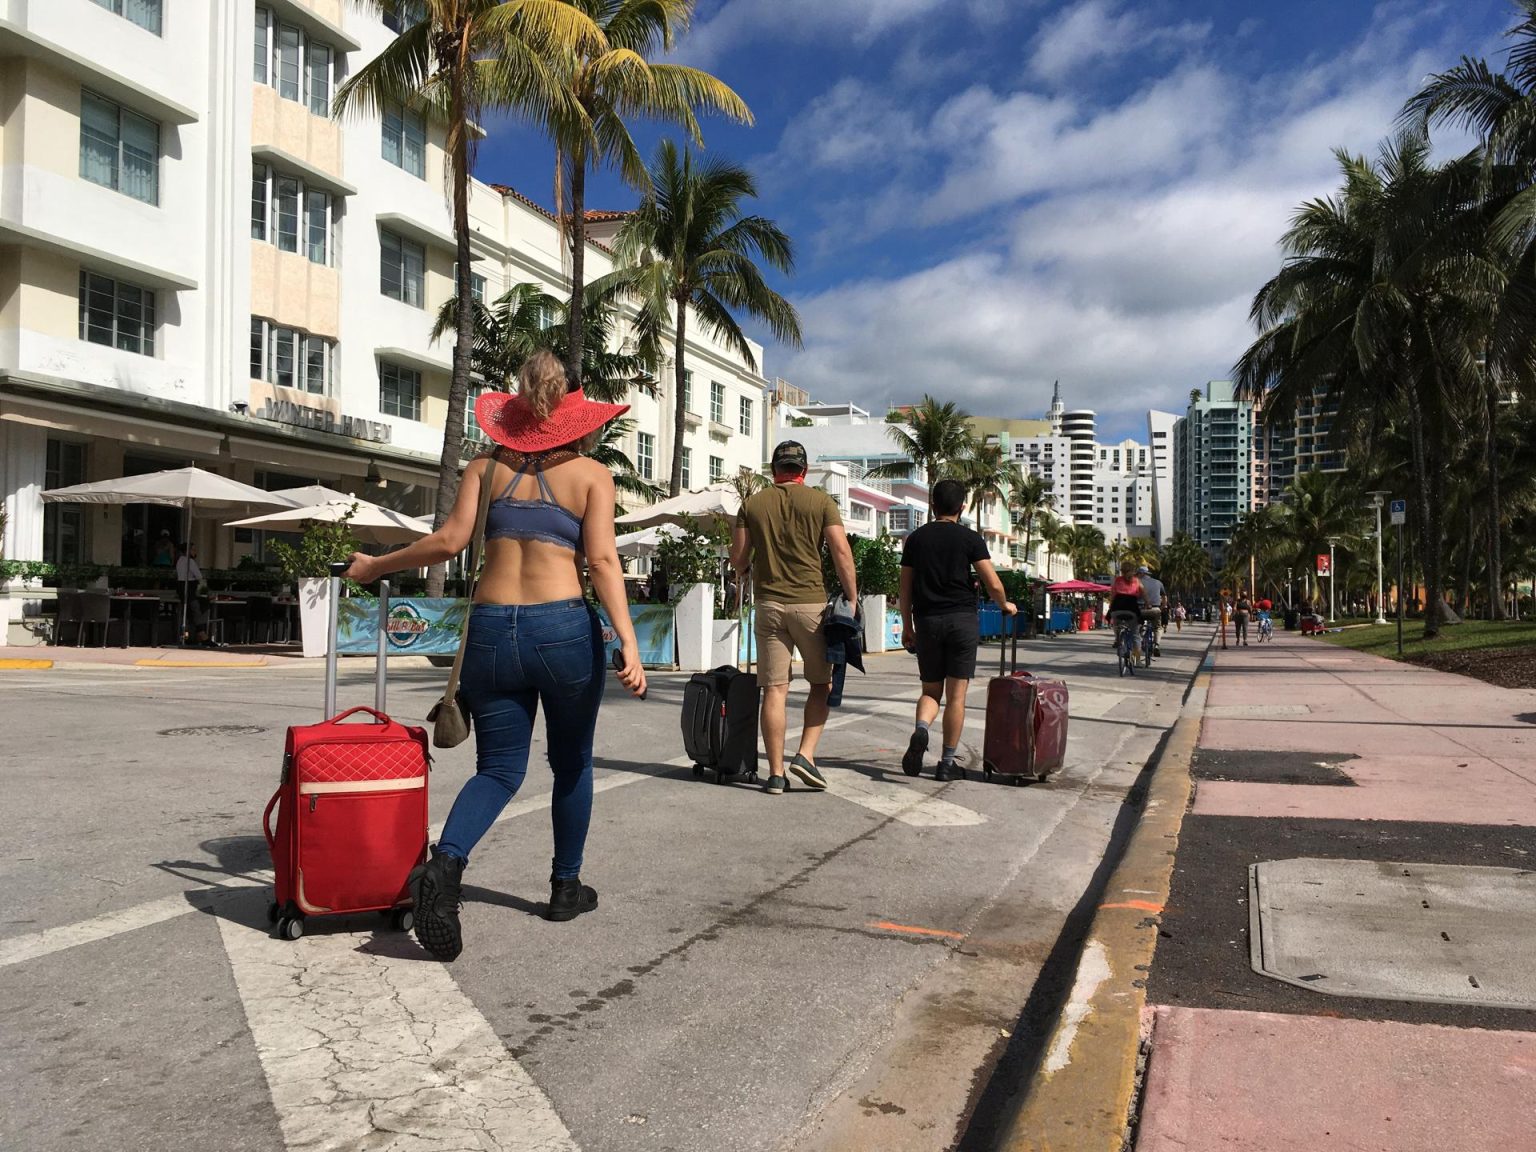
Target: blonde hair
[[542, 382]]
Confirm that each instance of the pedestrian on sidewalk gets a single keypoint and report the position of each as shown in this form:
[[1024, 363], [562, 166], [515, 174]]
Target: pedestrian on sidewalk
[[1240, 614], [533, 638], [939, 620], [189, 580], [778, 537], [1179, 614]]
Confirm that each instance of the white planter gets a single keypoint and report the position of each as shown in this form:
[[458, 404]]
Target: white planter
[[314, 615], [695, 628], [874, 623]]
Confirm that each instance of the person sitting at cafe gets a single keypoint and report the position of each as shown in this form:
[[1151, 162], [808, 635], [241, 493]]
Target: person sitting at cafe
[[163, 554], [189, 577]]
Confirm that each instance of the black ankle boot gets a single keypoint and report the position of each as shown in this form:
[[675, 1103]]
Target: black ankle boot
[[568, 899], [437, 890]]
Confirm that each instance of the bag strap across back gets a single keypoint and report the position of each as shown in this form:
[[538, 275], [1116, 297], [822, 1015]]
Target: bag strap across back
[[476, 555]]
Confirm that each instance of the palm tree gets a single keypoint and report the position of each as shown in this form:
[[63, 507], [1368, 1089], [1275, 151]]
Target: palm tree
[[1029, 498], [1141, 550], [1382, 305], [1088, 549], [988, 474], [459, 60], [1317, 507], [689, 246], [1185, 566], [616, 83], [934, 437], [1055, 535]]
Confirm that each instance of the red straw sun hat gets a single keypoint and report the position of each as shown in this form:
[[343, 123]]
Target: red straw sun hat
[[510, 421]]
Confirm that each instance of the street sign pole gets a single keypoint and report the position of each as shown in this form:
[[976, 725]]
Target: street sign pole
[[1399, 586]]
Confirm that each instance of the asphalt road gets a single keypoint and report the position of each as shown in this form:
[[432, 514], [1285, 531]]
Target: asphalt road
[[812, 971]]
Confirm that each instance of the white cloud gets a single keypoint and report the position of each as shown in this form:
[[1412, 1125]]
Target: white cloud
[[1095, 31], [738, 23], [1115, 247]]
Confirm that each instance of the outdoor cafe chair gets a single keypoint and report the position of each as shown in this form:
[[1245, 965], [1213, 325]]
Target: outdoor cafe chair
[[96, 608], [259, 615], [68, 615]]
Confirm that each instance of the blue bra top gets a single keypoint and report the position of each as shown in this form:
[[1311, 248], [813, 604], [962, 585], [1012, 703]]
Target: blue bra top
[[542, 519]]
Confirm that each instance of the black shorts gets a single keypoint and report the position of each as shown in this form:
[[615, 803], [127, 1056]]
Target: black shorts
[[946, 646]]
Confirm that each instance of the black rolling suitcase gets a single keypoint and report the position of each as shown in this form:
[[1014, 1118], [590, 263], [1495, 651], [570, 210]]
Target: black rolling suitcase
[[720, 718]]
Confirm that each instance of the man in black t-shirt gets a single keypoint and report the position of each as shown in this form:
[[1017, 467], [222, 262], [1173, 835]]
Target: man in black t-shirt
[[939, 621]]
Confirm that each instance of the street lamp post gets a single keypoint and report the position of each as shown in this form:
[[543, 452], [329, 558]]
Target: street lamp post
[[1290, 590], [1333, 581], [1377, 499]]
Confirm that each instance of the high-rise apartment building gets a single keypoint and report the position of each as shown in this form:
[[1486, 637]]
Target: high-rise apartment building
[[1213, 466], [199, 264], [1160, 427]]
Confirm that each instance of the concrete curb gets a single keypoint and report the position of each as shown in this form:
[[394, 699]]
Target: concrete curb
[[1079, 1098]]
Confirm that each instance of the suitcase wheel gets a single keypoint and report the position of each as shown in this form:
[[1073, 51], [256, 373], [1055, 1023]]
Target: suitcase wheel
[[698, 771], [274, 910], [1018, 781], [290, 927], [986, 772], [402, 919]]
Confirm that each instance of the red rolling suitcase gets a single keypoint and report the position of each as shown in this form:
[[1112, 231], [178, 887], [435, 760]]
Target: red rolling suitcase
[[351, 807], [1026, 732]]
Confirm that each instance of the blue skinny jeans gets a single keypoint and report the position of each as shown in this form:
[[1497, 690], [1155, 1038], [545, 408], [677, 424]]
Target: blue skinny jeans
[[515, 656]]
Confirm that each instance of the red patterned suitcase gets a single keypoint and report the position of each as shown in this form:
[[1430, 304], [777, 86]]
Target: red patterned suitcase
[[1026, 733], [351, 808]]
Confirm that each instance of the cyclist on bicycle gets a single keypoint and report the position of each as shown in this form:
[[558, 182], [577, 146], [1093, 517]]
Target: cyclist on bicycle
[[1156, 602], [1127, 597]]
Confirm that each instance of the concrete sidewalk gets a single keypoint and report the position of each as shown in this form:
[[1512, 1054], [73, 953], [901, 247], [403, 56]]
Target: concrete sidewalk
[[1326, 758], [64, 656]]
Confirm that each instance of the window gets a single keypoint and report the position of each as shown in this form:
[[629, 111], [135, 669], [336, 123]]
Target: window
[[717, 402], [399, 391], [119, 149], [645, 455], [288, 60], [144, 13], [285, 213], [477, 287], [116, 314], [405, 140], [64, 524], [716, 469], [472, 430], [275, 214], [744, 421], [687, 392], [403, 14], [290, 358], [260, 173], [401, 268], [687, 468]]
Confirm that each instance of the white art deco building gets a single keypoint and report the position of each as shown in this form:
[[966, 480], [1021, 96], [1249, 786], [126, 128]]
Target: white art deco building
[[200, 265]]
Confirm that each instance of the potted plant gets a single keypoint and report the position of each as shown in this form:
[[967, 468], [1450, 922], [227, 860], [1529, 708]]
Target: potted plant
[[308, 564]]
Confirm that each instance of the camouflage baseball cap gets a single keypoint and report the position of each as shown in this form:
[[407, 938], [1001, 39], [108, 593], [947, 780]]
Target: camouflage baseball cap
[[790, 454]]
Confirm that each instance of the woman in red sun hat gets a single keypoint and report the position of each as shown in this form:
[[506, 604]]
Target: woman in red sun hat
[[533, 638]]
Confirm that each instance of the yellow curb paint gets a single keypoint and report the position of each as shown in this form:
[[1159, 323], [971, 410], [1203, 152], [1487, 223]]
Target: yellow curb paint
[[1139, 905], [26, 663], [887, 926]]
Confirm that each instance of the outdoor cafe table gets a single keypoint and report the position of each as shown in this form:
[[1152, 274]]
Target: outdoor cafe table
[[131, 602]]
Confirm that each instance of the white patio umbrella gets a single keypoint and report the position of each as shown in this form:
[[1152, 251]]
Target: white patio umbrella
[[646, 541], [191, 489], [716, 502], [369, 522], [309, 495]]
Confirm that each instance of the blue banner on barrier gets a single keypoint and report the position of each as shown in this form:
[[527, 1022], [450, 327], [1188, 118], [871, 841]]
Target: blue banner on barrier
[[892, 630], [655, 632], [417, 626]]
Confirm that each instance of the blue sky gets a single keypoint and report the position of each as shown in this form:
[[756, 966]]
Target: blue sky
[[990, 195]]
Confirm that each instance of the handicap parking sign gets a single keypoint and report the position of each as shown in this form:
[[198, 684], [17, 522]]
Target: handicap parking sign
[[1399, 510]]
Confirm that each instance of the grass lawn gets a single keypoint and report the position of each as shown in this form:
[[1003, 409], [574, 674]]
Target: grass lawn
[[1470, 636]]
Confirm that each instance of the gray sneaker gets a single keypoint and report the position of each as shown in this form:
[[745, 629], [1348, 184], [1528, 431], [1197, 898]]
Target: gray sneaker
[[808, 772], [775, 785]]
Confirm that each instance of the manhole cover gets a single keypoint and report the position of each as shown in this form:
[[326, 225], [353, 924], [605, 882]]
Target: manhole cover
[[215, 730], [1442, 933]]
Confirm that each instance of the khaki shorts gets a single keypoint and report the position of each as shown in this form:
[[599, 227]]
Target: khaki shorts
[[782, 628]]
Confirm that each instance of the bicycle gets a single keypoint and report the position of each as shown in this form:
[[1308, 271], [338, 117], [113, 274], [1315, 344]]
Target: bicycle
[[1126, 644], [1148, 642], [1266, 629]]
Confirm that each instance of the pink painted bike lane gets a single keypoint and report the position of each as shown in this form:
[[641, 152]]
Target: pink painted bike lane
[[1404, 751]]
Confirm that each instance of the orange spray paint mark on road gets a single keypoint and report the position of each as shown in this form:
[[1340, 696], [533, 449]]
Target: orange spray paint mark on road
[[888, 926], [1138, 905]]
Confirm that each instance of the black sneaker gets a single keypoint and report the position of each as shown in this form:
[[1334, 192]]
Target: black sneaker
[[912, 762], [437, 892], [568, 899], [776, 785], [948, 770], [808, 772]]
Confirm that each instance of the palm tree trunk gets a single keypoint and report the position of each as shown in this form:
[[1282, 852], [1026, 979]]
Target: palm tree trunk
[[458, 386], [1429, 517], [675, 485], [1495, 511], [575, 325], [1466, 559]]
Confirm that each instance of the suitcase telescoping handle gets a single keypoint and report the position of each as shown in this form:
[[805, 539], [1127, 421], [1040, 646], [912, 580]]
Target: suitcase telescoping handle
[[333, 613], [1011, 623]]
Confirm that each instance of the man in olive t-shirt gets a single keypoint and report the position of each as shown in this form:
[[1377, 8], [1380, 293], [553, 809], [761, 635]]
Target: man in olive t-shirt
[[779, 534]]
